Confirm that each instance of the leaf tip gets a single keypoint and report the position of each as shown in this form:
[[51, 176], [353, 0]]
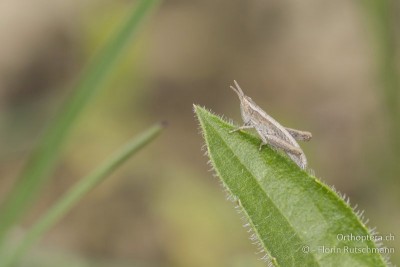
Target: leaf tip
[[197, 108]]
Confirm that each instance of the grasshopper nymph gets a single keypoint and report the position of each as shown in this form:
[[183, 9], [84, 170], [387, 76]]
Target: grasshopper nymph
[[270, 131]]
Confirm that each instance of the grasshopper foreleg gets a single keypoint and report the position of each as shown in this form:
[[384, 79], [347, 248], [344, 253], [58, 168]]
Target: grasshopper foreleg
[[246, 126]]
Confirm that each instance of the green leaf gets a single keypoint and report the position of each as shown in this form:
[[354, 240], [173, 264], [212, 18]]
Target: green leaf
[[77, 192], [292, 214], [45, 156]]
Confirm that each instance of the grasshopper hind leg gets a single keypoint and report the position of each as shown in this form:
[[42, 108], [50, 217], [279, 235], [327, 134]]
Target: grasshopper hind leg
[[300, 160], [279, 144]]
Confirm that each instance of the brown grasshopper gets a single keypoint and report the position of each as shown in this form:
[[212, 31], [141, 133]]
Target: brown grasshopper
[[270, 131]]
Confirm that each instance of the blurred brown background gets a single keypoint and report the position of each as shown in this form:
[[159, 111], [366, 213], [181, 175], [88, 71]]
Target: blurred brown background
[[322, 66]]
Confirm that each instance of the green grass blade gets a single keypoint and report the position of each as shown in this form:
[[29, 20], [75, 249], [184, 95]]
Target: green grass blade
[[43, 159], [291, 213], [77, 192]]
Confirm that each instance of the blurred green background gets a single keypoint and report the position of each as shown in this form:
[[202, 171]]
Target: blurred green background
[[329, 67]]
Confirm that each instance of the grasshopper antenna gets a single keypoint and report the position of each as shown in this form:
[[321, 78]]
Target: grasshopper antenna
[[237, 89]]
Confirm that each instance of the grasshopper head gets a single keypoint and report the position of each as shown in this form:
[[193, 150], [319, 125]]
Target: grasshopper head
[[246, 103]]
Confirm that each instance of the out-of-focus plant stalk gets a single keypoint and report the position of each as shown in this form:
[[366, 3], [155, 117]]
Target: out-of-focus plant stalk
[[46, 154]]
